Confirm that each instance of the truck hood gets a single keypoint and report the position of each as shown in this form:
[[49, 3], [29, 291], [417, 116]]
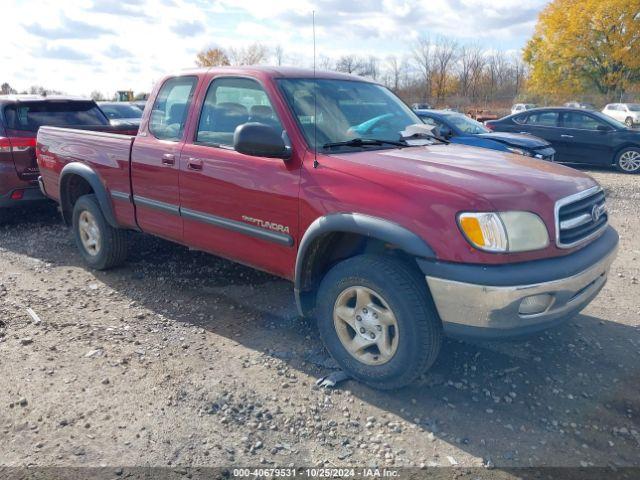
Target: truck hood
[[516, 140], [505, 180]]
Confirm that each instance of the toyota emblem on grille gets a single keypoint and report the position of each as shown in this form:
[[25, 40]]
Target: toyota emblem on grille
[[596, 212]]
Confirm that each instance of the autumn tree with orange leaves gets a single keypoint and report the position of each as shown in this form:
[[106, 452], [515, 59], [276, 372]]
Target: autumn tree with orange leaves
[[212, 57], [584, 46]]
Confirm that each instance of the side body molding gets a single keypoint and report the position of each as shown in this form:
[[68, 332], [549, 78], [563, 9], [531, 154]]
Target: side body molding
[[366, 225], [88, 174]]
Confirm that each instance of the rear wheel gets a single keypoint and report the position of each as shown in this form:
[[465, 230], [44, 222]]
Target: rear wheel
[[378, 321], [628, 160], [101, 245], [629, 122]]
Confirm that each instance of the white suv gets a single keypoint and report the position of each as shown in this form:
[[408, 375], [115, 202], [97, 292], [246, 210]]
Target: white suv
[[628, 113], [521, 107]]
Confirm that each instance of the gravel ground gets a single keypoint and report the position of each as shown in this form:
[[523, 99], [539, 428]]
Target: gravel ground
[[181, 358]]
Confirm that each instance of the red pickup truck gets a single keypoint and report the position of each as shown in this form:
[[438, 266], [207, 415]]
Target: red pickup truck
[[390, 235]]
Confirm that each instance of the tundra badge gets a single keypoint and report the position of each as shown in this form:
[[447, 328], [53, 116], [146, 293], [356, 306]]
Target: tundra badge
[[264, 224]]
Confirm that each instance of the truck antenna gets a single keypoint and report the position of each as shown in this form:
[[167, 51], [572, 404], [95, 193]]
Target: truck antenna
[[315, 88]]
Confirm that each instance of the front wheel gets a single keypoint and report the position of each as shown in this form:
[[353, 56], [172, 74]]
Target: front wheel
[[628, 160], [629, 122], [101, 245], [378, 321]]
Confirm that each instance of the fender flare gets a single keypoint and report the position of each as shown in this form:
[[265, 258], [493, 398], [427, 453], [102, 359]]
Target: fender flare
[[366, 225], [92, 178]]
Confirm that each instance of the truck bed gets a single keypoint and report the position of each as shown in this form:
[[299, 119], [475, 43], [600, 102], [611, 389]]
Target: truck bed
[[106, 153]]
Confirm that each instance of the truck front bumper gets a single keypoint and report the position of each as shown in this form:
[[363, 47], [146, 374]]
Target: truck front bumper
[[516, 299]]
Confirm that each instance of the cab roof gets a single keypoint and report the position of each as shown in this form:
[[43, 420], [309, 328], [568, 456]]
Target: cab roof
[[274, 72], [17, 98]]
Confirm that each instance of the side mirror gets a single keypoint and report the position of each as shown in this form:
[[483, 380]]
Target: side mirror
[[260, 140], [603, 128]]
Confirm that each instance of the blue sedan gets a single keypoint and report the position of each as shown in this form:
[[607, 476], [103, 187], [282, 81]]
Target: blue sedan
[[458, 128]]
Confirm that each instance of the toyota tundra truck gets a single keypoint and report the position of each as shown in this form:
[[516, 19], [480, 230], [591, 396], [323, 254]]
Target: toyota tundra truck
[[391, 236]]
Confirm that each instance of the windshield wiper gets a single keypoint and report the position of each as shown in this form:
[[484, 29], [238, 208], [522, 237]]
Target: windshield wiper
[[363, 142]]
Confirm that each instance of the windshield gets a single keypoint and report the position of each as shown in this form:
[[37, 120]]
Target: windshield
[[466, 124], [344, 110], [29, 116], [634, 107], [121, 110]]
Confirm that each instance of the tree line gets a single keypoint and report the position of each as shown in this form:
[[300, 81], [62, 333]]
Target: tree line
[[437, 71], [6, 89], [585, 50]]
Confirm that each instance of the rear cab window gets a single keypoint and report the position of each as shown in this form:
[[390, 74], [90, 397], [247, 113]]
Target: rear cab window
[[30, 116]]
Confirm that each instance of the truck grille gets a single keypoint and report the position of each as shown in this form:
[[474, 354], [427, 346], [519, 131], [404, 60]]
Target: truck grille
[[580, 217]]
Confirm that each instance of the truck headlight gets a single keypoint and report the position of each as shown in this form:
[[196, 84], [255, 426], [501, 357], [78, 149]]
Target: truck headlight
[[519, 151], [504, 231]]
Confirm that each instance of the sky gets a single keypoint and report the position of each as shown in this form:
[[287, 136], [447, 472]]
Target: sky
[[78, 46]]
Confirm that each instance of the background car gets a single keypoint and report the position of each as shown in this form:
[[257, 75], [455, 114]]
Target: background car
[[459, 128], [120, 113], [421, 106], [140, 104], [629, 113], [583, 105], [578, 136], [521, 107], [20, 118]]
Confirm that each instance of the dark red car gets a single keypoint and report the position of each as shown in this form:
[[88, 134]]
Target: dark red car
[[20, 118], [390, 236]]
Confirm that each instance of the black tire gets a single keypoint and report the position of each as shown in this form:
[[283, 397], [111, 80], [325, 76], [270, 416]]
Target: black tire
[[630, 166], [629, 122], [406, 293], [113, 241]]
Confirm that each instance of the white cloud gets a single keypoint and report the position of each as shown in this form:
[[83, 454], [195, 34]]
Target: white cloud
[[131, 43]]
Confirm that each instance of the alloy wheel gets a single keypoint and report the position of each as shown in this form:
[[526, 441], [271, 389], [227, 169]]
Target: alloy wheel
[[366, 326], [89, 233], [630, 161]]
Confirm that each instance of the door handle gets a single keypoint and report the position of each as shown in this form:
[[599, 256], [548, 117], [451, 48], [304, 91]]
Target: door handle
[[194, 163], [566, 136], [169, 159]]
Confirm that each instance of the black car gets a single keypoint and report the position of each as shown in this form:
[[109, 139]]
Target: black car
[[578, 136], [458, 128], [121, 113]]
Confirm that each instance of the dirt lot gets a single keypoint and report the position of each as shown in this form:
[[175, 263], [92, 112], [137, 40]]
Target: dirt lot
[[181, 358]]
